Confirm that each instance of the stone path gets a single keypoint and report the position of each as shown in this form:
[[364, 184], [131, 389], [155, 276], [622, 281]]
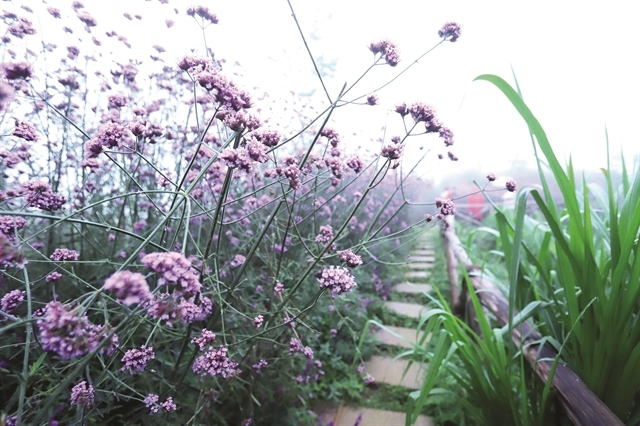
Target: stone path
[[389, 370]]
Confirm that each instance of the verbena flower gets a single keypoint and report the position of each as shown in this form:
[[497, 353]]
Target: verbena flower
[[12, 300], [63, 254], [25, 131], [355, 163], [206, 337], [151, 401], [9, 254], [215, 362], [38, 194], [337, 279], [511, 185], [53, 277], [388, 49], [129, 288], [9, 225], [350, 258], [491, 177], [174, 269], [392, 151], [257, 321], [135, 360], [372, 99], [169, 405], [7, 95], [446, 206], [325, 234], [450, 29], [66, 333], [237, 261], [82, 395]]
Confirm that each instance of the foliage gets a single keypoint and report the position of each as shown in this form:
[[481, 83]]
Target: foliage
[[167, 255]]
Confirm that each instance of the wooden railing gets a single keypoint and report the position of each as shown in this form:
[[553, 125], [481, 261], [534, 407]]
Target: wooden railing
[[582, 406]]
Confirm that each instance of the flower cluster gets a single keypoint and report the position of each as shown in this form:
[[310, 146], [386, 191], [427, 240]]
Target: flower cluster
[[110, 135], [295, 347], [257, 321], [17, 70], [237, 261], [11, 300], [446, 206], [350, 258], [337, 279], [450, 29], [511, 185], [392, 151], [25, 131], [63, 254], [174, 268], [39, 195], [9, 225], [151, 402], [202, 12], [9, 254], [136, 360], [65, 332], [82, 395], [128, 287], [355, 163], [215, 362], [388, 49], [325, 235]]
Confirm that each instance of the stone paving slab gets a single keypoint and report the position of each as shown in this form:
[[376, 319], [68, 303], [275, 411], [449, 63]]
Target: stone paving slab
[[348, 416], [422, 253], [390, 371], [399, 336], [407, 309], [408, 287], [417, 274], [422, 258], [420, 265]]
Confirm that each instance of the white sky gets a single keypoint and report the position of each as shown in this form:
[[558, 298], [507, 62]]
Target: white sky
[[577, 62]]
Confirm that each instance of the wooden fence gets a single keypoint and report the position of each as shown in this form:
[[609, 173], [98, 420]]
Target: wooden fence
[[582, 406]]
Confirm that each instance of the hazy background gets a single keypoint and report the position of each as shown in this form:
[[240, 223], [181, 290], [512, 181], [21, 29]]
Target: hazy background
[[577, 62]]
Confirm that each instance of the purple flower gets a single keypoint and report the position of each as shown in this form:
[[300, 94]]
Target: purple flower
[[325, 235], [9, 254], [262, 363], [278, 288], [237, 158], [215, 362], [388, 49], [128, 287], [9, 225], [169, 405], [446, 206], [205, 338], [307, 352], [446, 135], [237, 261], [337, 279], [136, 360], [82, 395], [25, 131], [350, 258], [151, 401], [372, 99], [392, 151], [450, 29], [511, 185], [7, 94], [38, 194], [63, 254], [268, 138], [174, 268], [257, 321], [355, 163], [53, 276], [68, 334], [295, 346], [491, 177], [11, 300], [202, 12], [422, 112], [21, 28]]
